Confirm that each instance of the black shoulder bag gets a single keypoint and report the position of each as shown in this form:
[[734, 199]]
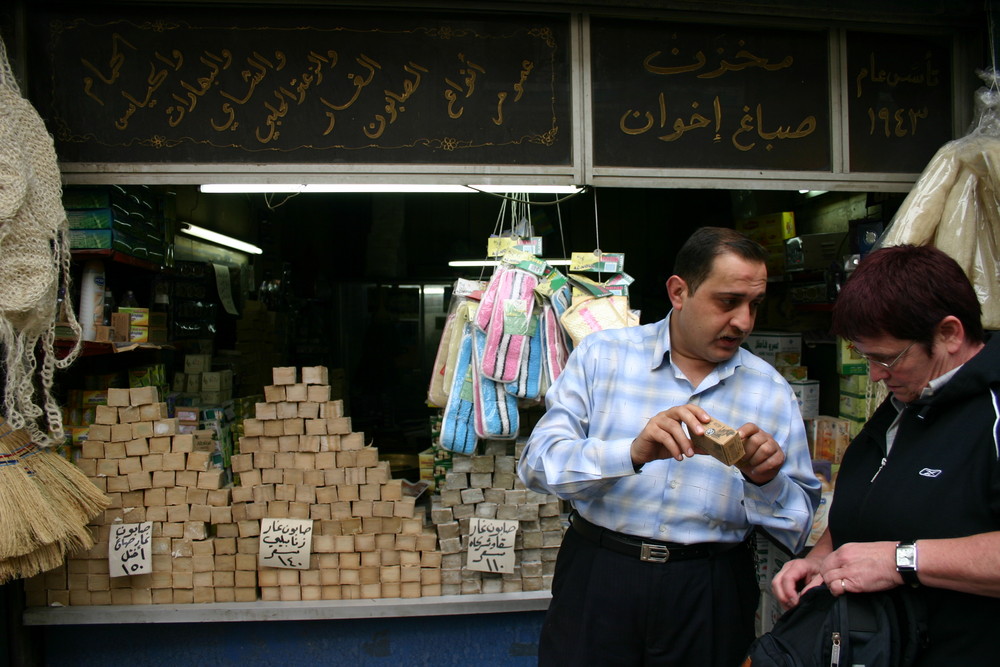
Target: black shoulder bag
[[885, 629]]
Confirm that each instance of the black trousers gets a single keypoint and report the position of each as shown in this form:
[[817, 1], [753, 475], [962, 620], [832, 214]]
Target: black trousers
[[611, 609]]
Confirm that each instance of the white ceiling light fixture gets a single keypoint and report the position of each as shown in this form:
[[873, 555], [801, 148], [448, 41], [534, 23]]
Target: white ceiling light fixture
[[439, 188], [530, 189], [492, 262], [220, 239]]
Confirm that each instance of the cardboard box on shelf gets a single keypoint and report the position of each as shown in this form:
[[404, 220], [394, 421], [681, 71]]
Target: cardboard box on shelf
[[769, 229], [849, 362], [828, 437], [768, 345], [807, 395]]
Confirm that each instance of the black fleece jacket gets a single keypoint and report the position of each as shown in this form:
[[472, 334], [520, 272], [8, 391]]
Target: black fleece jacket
[[941, 479]]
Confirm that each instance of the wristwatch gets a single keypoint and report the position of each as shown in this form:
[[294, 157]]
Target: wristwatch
[[906, 562]]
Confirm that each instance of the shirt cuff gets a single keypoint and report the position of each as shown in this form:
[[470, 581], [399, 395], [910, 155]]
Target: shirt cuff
[[617, 460]]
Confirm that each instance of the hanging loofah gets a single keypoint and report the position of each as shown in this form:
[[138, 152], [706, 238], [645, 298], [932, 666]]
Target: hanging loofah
[[34, 264], [955, 204]]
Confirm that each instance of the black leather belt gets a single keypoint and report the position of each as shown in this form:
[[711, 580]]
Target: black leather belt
[[647, 550]]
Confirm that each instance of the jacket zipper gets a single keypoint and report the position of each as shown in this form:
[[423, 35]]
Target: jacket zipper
[[881, 465]]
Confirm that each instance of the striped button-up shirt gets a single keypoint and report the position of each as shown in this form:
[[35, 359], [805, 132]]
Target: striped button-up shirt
[[613, 383]]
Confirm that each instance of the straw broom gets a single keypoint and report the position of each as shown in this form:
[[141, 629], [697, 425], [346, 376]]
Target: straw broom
[[27, 521], [69, 491], [42, 559], [45, 504]]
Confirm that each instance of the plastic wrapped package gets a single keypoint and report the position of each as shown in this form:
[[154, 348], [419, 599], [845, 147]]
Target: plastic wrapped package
[[595, 314], [555, 350], [528, 383], [458, 432], [955, 206], [447, 352], [504, 345], [496, 415]]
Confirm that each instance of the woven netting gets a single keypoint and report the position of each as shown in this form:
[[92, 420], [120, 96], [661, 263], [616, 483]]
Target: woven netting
[[34, 264]]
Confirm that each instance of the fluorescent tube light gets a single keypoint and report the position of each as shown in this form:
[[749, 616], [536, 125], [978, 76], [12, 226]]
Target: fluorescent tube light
[[278, 188], [221, 239], [493, 262], [530, 189]]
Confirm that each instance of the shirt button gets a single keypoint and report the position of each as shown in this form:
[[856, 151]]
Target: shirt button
[[663, 529], [673, 484]]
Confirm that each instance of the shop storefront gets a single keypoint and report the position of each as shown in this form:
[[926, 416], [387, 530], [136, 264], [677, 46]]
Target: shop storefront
[[271, 124]]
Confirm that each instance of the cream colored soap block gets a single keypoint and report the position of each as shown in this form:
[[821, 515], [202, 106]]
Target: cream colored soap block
[[721, 441]]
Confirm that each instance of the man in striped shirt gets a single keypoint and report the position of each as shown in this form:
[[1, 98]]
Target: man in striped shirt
[[657, 567]]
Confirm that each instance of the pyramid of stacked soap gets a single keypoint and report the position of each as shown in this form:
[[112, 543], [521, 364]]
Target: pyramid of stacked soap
[[153, 473], [486, 486], [299, 459]]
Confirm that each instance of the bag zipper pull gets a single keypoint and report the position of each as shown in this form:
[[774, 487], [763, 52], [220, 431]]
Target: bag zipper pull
[[835, 650], [881, 465]]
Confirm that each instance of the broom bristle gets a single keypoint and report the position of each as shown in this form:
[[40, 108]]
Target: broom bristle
[[68, 487], [44, 499], [42, 559], [27, 521]]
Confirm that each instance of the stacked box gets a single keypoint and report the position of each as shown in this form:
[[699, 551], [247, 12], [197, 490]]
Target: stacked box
[[487, 486], [778, 348], [151, 472], [807, 396], [771, 231], [828, 438], [126, 218], [260, 335], [210, 387], [849, 362], [299, 459]]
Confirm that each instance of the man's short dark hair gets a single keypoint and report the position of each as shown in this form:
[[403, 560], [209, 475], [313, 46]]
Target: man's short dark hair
[[696, 257]]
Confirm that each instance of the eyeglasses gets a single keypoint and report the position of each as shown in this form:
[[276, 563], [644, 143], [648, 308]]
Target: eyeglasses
[[887, 366]]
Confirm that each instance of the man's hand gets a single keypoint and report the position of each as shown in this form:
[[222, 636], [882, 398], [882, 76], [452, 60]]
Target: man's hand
[[763, 457], [664, 437]]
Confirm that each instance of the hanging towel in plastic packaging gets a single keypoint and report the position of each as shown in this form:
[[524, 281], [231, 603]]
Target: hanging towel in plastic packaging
[[594, 314], [458, 430], [511, 304], [496, 413], [528, 383]]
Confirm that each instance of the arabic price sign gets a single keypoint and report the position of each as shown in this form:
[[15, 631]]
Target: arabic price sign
[[285, 543], [129, 549], [491, 545], [708, 96]]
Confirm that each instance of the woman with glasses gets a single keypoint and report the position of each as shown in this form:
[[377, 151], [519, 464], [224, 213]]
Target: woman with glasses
[[917, 498]]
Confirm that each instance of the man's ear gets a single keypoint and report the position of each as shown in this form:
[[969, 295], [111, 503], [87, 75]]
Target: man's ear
[[676, 289]]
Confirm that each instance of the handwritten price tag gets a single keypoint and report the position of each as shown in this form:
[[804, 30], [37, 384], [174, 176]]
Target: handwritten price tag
[[129, 549], [285, 543], [491, 545]]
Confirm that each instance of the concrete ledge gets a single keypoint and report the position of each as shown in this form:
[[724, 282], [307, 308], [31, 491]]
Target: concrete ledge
[[443, 605]]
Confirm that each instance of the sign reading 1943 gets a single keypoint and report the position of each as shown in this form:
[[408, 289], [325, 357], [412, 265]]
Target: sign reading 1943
[[674, 95], [898, 101], [321, 87]]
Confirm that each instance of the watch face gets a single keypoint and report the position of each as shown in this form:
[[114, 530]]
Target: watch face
[[905, 557]]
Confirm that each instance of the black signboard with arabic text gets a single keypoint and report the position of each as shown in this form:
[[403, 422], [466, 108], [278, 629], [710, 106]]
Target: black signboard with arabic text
[[898, 100], [671, 95], [308, 87]]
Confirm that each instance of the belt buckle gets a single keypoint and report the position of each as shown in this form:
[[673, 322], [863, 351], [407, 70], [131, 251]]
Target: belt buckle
[[654, 553]]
